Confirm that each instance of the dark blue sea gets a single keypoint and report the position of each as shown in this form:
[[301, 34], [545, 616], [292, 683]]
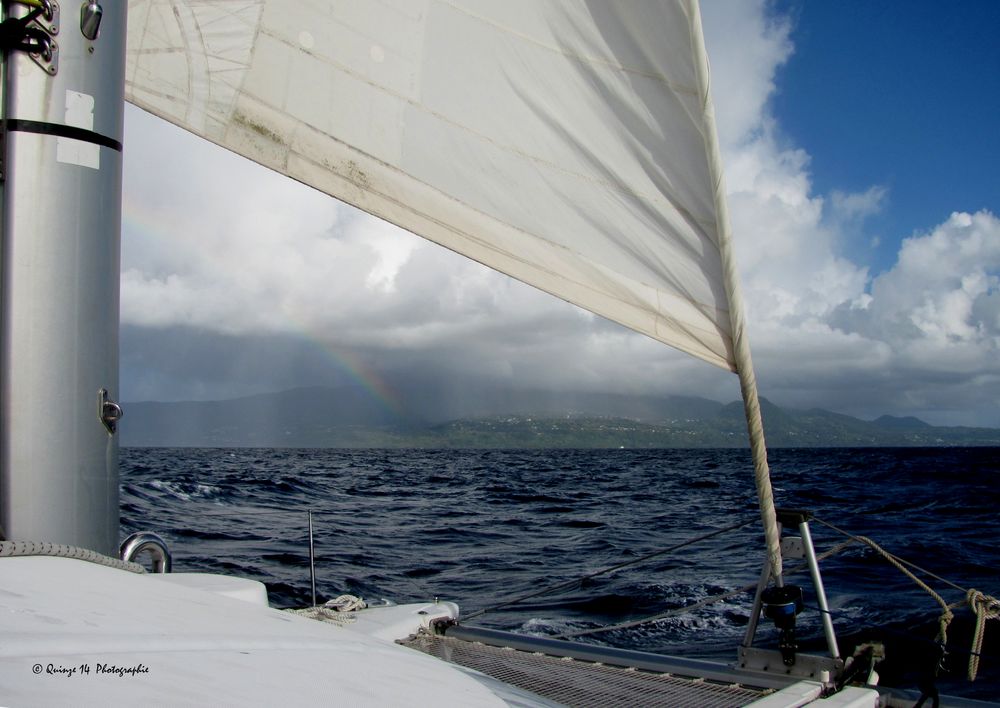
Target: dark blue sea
[[479, 526]]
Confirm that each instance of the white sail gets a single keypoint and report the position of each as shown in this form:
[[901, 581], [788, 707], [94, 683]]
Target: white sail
[[562, 143], [568, 143]]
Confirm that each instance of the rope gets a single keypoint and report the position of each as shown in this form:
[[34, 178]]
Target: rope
[[946, 614], [346, 603], [338, 611], [60, 550], [323, 614], [570, 583], [740, 360], [986, 608]]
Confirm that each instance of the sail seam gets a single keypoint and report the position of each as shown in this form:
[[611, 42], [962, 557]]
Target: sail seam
[[661, 197], [584, 59]]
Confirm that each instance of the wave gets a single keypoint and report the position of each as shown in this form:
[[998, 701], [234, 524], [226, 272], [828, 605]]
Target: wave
[[480, 527]]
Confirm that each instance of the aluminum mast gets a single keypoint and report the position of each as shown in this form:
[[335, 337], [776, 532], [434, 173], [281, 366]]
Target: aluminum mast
[[61, 214]]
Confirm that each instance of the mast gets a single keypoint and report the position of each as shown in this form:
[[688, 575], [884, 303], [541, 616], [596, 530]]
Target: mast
[[61, 224]]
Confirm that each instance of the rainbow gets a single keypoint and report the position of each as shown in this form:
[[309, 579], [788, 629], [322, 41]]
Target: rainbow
[[360, 371], [140, 222]]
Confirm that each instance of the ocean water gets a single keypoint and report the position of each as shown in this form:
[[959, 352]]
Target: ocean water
[[481, 526]]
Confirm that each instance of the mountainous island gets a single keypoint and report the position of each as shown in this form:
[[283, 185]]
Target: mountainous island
[[351, 417]]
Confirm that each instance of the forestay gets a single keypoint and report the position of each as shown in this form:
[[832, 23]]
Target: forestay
[[568, 144]]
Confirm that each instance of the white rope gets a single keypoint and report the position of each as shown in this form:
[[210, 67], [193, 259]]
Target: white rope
[[322, 614], [986, 608], [336, 611], [741, 359], [346, 603], [946, 614], [758, 450], [61, 550]]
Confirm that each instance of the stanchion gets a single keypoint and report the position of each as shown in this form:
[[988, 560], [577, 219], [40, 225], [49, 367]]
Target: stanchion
[[312, 560]]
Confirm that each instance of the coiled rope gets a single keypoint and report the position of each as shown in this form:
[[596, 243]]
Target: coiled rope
[[984, 606], [338, 611], [346, 603]]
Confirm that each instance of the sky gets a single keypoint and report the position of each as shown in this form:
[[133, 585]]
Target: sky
[[861, 153]]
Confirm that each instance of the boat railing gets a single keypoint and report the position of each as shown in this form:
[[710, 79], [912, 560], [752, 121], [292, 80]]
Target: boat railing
[[151, 544], [162, 561]]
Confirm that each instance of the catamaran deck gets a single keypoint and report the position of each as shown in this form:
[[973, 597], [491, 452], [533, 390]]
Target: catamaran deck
[[583, 675], [580, 683]]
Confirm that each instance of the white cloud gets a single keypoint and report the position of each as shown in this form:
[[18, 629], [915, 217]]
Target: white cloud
[[848, 208], [746, 47], [240, 250], [943, 292], [824, 332]]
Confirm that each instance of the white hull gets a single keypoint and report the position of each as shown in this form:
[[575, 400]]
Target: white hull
[[78, 633]]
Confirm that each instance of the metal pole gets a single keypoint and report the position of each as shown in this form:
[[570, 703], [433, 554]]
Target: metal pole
[[61, 223], [824, 608], [312, 560], [757, 604]]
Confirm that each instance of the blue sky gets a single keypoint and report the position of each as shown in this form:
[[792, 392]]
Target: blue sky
[[901, 95], [861, 150]]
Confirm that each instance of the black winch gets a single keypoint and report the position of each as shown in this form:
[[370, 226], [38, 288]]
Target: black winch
[[782, 604]]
